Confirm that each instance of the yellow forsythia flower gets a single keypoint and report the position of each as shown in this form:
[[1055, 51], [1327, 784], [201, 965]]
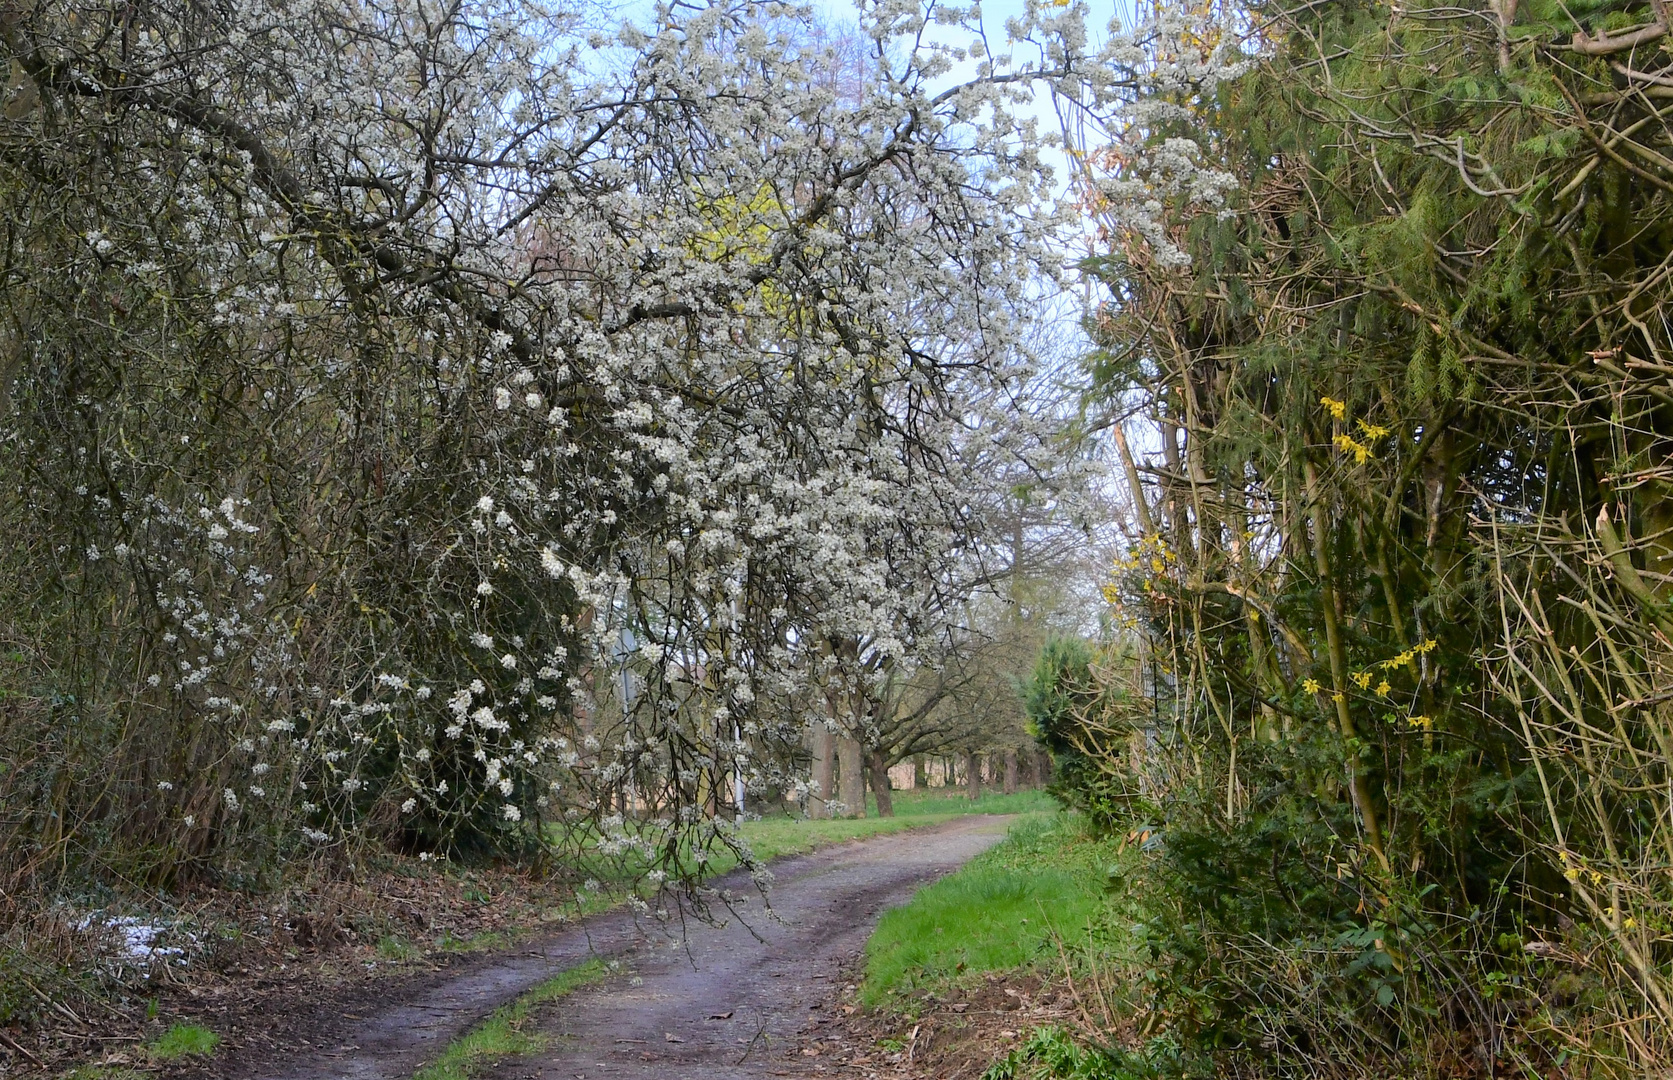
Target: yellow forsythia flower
[[1311, 686], [1338, 409], [1349, 445]]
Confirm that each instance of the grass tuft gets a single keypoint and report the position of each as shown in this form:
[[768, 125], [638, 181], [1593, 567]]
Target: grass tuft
[[392, 947], [183, 1040], [502, 1034]]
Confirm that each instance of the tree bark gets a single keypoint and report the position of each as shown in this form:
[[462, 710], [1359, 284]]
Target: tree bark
[[851, 777], [880, 784], [973, 774], [823, 744], [920, 772], [1010, 772]]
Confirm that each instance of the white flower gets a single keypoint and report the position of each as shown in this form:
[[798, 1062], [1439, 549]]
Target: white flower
[[230, 797], [485, 504], [154, 680], [164, 785], [551, 562], [409, 806], [533, 400], [511, 813], [484, 588], [508, 661], [502, 398], [351, 785], [481, 641]]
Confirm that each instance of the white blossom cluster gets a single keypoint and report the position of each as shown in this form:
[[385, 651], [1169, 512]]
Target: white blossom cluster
[[1131, 131]]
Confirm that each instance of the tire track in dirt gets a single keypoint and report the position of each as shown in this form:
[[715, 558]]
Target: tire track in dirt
[[759, 977]]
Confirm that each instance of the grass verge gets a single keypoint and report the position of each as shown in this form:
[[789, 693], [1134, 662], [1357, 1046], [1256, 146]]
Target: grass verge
[[1027, 902], [503, 1034], [780, 834]]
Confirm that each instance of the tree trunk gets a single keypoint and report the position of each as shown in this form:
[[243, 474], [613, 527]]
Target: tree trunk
[[1338, 658], [851, 776], [973, 774], [1010, 772], [824, 771], [920, 772], [880, 784]]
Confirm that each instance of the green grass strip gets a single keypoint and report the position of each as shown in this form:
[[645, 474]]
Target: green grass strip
[[1011, 907], [502, 1035]]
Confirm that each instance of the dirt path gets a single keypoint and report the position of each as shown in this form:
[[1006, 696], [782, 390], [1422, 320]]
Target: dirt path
[[653, 1019]]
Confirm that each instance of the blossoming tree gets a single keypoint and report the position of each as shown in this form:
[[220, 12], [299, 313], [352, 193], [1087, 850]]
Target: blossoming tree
[[442, 419]]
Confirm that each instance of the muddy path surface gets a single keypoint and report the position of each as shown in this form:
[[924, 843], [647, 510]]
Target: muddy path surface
[[714, 1001]]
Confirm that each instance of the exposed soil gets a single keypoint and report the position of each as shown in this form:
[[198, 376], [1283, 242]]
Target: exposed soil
[[941, 1038], [712, 1001]]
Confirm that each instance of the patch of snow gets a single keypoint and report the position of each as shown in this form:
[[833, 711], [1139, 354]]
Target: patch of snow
[[139, 940]]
